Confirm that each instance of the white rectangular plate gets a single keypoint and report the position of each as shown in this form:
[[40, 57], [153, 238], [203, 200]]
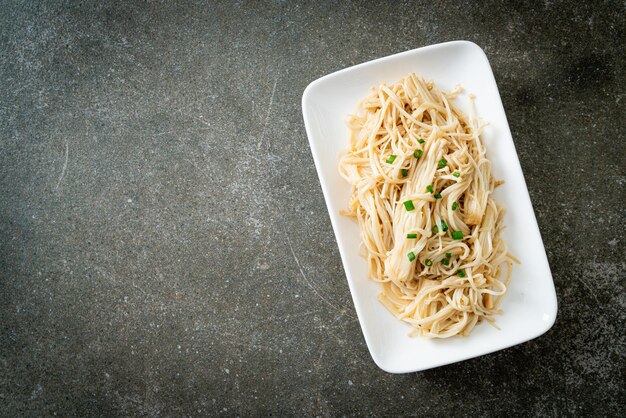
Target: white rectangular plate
[[530, 304]]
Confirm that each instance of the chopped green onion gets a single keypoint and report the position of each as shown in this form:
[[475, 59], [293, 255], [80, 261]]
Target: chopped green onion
[[454, 206], [435, 230], [457, 235], [430, 189], [418, 153], [448, 255], [405, 172], [456, 174], [445, 262], [428, 262], [461, 273], [437, 196], [409, 205], [411, 256], [411, 235], [442, 163], [421, 141], [391, 159], [444, 226]]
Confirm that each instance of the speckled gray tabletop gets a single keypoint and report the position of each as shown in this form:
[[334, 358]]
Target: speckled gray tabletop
[[146, 263]]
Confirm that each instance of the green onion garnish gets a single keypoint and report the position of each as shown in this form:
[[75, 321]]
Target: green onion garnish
[[421, 141], [437, 196], [442, 163], [457, 235], [448, 255], [428, 262], [444, 226], [429, 189], [411, 256], [435, 229], [418, 153], [409, 205], [461, 273], [454, 206], [391, 159], [445, 262], [456, 174], [411, 235], [405, 172]]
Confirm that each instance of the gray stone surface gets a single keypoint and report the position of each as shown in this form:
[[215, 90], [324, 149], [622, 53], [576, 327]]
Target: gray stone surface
[[165, 247]]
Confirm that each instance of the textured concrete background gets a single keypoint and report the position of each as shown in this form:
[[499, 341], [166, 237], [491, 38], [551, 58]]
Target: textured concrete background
[[149, 208]]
